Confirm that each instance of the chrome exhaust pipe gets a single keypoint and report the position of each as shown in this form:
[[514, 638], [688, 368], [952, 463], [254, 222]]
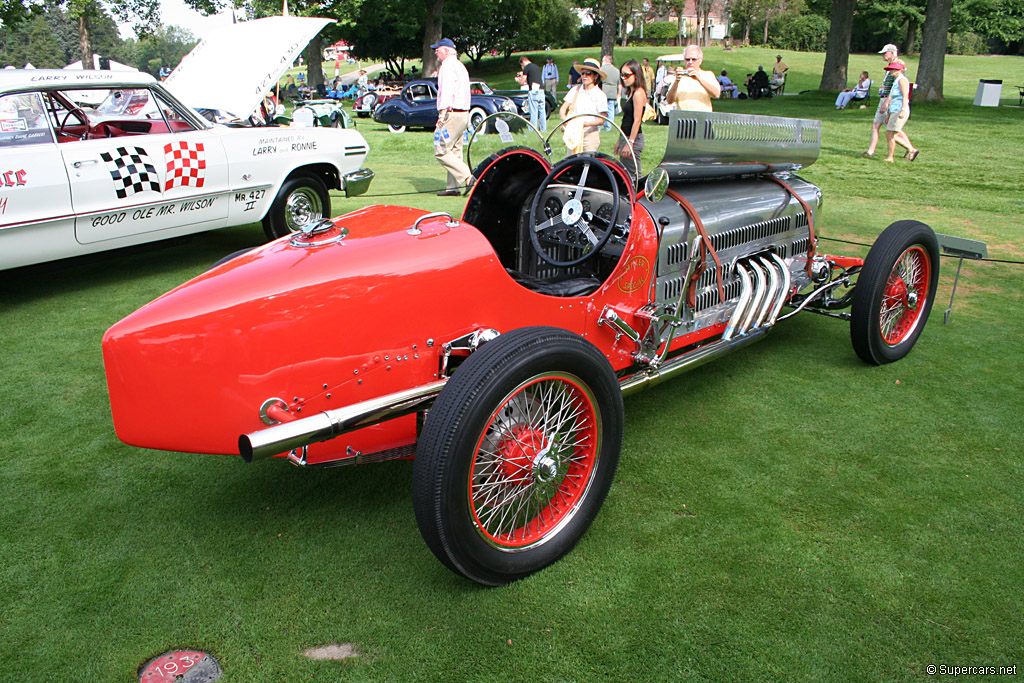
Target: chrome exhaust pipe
[[328, 424], [784, 292], [741, 303], [758, 299], [644, 379], [773, 290]]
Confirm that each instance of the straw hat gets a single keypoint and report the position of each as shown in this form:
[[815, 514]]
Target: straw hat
[[591, 64]]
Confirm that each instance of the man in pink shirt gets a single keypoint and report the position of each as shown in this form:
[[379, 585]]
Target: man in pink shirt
[[452, 117]]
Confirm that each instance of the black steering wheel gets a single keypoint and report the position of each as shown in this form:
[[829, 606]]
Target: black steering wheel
[[572, 214], [80, 115]]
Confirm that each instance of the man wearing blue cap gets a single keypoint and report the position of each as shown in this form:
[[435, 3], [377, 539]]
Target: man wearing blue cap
[[452, 117]]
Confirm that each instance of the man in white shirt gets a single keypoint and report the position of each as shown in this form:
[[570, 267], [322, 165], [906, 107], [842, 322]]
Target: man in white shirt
[[452, 117]]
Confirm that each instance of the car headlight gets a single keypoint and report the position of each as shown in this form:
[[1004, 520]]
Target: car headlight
[[510, 106]]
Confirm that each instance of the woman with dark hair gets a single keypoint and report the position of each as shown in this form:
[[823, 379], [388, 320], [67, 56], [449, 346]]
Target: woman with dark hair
[[628, 148]]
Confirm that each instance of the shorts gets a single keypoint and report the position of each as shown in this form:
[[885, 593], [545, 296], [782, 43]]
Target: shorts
[[895, 121]]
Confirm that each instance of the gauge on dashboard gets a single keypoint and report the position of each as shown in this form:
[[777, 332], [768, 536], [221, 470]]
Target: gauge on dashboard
[[552, 207], [605, 213]]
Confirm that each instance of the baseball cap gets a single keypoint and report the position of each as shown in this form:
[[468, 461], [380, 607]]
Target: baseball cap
[[895, 65], [444, 42], [889, 47]]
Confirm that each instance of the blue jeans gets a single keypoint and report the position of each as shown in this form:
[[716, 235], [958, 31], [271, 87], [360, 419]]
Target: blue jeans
[[538, 110], [613, 107]]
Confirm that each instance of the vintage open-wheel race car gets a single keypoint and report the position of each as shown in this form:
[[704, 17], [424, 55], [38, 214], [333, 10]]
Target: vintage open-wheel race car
[[560, 289]]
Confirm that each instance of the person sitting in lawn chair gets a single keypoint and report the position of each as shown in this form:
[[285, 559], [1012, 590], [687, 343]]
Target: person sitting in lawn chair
[[857, 93]]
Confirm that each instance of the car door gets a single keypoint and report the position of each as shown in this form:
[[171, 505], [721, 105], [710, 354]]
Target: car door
[[35, 202], [144, 168], [423, 101]]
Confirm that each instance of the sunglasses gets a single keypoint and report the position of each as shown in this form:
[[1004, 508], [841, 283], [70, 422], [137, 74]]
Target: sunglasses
[[588, 73], [627, 74]]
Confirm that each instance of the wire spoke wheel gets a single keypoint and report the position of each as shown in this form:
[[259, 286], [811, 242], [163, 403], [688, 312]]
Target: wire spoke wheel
[[894, 292], [905, 291], [534, 461], [517, 454]]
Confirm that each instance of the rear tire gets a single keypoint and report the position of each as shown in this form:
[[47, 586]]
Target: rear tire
[[894, 292], [396, 129], [301, 200], [517, 454]]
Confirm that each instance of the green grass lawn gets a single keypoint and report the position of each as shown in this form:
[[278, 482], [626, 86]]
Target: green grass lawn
[[784, 513]]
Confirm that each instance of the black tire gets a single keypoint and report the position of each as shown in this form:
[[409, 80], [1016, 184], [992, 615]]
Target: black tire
[[894, 292], [461, 485], [301, 200]]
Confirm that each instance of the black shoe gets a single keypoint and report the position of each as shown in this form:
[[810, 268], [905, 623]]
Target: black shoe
[[449, 193], [469, 184]]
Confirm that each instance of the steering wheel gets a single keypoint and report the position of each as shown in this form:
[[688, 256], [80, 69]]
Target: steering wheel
[[76, 111], [572, 214]]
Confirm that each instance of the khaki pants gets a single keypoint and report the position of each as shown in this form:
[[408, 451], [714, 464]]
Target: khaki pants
[[448, 148]]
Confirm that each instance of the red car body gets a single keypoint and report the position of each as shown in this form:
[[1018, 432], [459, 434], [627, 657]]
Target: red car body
[[389, 331]]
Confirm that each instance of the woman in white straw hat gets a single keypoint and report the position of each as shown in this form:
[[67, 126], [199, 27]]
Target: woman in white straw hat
[[586, 98]]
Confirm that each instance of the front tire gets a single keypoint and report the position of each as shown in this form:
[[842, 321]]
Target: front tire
[[476, 117], [517, 454], [396, 129], [301, 200], [894, 292]]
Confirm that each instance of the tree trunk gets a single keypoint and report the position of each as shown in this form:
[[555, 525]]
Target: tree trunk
[[431, 34], [608, 29], [837, 49], [908, 41], [84, 41], [933, 51], [315, 62], [767, 18]]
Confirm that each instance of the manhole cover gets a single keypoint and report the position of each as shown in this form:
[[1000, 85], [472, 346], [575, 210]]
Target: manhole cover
[[180, 666]]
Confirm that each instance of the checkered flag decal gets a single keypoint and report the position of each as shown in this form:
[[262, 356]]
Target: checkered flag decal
[[186, 164], [131, 170]]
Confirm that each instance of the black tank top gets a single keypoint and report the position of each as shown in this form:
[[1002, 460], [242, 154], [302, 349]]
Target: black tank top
[[627, 117]]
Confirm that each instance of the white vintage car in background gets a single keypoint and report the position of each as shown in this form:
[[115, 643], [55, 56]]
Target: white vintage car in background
[[79, 177]]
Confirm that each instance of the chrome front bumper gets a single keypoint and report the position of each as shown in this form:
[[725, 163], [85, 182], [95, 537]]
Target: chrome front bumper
[[357, 182]]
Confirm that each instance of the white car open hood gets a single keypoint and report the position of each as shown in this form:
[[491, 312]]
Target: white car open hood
[[261, 49]]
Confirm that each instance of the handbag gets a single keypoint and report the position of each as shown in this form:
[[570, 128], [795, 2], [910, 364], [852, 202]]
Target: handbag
[[649, 113], [572, 136]]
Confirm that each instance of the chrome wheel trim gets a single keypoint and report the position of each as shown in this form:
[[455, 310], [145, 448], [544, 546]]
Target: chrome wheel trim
[[303, 207]]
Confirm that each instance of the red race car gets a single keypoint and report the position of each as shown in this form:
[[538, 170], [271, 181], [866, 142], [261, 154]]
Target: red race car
[[496, 347]]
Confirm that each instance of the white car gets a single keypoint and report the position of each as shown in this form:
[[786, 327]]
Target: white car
[[141, 166]]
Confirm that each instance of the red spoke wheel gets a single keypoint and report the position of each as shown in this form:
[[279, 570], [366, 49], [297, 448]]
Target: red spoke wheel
[[517, 454], [894, 292]]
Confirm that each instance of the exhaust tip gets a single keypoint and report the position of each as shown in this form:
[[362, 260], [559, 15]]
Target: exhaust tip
[[245, 448]]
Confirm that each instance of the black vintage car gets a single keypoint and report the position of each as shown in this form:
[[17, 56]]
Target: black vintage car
[[417, 107]]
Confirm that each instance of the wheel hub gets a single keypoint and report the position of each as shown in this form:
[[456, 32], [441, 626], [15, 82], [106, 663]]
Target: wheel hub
[[572, 211], [519, 453], [545, 468]]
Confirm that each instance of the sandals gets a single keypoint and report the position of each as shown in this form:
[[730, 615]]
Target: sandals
[[915, 154], [865, 154]]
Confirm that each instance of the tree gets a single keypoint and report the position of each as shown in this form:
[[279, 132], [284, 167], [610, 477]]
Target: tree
[[837, 50], [165, 47], [432, 32], [608, 29], [933, 51], [482, 26], [387, 30]]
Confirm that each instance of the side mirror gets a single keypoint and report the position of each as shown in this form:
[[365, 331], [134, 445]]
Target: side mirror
[[656, 185]]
